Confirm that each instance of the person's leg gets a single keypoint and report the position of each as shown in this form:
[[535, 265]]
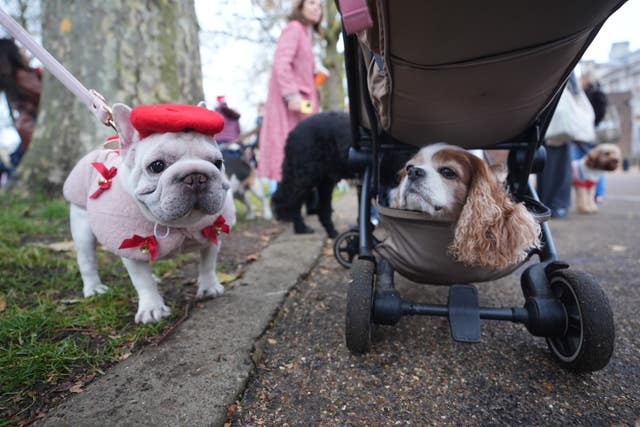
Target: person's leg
[[600, 188], [554, 182]]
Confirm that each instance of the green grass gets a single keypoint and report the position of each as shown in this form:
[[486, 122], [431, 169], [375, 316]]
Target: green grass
[[49, 333]]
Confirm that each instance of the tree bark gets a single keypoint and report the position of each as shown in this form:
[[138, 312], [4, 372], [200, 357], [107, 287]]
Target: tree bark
[[332, 92], [135, 52]]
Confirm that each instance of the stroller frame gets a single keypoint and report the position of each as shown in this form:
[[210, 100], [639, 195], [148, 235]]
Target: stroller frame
[[566, 307]]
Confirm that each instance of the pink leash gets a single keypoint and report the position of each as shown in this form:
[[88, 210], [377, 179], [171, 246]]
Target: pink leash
[[92, 99]]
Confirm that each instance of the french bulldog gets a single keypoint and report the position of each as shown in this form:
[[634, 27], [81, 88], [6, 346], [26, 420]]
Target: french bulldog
[[161, 192]]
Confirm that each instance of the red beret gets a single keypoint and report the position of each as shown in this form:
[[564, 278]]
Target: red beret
[[160, 118]]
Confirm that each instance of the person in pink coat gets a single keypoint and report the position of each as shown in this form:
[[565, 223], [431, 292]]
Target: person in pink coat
[[291, 86]]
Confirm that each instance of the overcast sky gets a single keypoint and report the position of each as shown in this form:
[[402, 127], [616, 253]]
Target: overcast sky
[[621, 26]]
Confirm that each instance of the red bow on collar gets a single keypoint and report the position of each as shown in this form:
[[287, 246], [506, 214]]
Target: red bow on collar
[[104, 183], [148, 243], [213, 231]]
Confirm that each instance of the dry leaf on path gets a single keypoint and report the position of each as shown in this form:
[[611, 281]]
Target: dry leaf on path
[[227, 278], [76, 388]]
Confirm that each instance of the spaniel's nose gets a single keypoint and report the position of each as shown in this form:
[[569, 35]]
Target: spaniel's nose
[[415, 173]]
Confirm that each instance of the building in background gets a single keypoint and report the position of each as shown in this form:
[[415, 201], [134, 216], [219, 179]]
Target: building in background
[[620, 79]]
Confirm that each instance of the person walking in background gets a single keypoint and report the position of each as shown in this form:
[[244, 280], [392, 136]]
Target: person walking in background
[[599, 101], [292, 92], [22, 86], [231, 130], [554, 182]]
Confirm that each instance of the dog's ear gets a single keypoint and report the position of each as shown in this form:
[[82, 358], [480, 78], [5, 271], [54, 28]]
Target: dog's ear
[[126, 131], [395, 193], [591, 158], [492, 231]]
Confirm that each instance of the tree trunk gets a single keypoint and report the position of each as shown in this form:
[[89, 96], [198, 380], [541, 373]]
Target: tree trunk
[[332, 92], [135, 52]]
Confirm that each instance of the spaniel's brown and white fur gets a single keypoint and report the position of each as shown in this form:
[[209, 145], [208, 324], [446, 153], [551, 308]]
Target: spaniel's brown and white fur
[[450, 183], [588, 170]]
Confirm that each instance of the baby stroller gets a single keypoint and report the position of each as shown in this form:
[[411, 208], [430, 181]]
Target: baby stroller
[[480, 76]]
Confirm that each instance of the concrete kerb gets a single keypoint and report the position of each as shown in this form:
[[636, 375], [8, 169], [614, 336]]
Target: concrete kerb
[[192, 377]]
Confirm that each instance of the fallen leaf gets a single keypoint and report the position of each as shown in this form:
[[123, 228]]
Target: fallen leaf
[[252, 257], [76, 388], [265, 238], [66, 246], [3, 303], [272, 341], [226, 277], [125, 356], [249, 234], [327, 251]]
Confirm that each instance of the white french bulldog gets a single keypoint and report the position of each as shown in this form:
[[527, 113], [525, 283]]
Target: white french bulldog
[[162, 192]]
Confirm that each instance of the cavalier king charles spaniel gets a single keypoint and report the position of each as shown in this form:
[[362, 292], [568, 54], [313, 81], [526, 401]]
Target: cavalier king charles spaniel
[[449, 183], [588, 170]]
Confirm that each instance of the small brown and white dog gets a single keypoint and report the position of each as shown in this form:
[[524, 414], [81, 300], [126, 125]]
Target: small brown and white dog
[[447, 182], [242, 177], [588, 170]]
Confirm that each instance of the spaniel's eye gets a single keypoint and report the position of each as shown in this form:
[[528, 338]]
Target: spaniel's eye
[[408, 168], [157, 166], [218, 163], [447, 173]]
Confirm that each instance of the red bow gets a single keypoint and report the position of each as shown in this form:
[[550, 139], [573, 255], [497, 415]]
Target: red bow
[[148, 243], [104, 183], [213, 231]]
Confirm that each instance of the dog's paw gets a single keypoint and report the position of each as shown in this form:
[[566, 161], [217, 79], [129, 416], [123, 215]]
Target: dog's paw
[[151, 312], [267, 216], [210, 291], [95, 290]]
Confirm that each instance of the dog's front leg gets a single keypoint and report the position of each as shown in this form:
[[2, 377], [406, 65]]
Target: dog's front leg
[[151, 306], [325, 190], [85, 242], [208, 284], [256, 188]]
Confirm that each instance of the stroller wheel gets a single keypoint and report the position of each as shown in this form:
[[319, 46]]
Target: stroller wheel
[[359, 324], [345, 247], [587, 344]]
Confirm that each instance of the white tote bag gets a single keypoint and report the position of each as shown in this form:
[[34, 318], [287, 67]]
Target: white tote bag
[[572, 120]]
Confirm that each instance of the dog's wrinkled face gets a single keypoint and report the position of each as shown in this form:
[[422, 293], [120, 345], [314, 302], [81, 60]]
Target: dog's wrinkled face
[[605, 157], [436, 181], [176, 178]]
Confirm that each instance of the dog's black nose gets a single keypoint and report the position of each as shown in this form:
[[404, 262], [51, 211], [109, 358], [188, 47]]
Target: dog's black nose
[[196, 181], [415, 172]]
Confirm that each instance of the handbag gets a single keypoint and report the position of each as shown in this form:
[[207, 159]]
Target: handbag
[[572, 120], [608, 130]]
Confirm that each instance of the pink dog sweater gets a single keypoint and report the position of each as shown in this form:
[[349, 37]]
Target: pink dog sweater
[[116, 219]]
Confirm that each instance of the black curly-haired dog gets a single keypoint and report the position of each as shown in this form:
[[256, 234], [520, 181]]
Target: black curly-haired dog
[[316, 154]]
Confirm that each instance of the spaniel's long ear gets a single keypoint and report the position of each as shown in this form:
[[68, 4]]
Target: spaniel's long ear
[[492, 231], [395, 194]]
